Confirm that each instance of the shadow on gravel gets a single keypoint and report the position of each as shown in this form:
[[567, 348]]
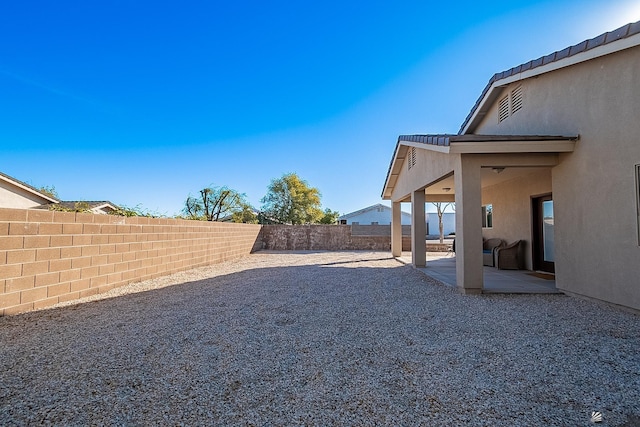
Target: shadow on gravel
[[311, 345]]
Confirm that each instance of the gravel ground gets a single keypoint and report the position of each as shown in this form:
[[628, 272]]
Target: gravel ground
[[319, 338]]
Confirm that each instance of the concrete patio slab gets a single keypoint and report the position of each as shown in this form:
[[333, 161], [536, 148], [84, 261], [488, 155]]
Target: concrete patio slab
[[442, 267]]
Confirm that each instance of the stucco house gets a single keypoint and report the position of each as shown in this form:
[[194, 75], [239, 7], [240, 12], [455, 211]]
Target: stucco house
[[16, 194], [20, 195], [96, 207], [448, 223], [550, 156], [378, 214]]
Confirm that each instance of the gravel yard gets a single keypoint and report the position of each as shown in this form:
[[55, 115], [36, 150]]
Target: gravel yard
[[318, 338]]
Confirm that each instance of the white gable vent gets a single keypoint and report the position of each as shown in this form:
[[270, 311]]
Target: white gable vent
[[516, 99], [503, 108], [411, 157]]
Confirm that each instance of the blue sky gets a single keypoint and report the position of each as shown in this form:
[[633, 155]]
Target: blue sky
[[144, 103]]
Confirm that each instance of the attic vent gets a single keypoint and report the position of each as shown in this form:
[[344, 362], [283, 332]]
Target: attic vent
[[503, 108], [411, 158], [516, 99]]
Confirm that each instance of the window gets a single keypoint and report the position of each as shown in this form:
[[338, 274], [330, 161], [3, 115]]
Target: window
[[487, 216], [638, 200], [411, 157]]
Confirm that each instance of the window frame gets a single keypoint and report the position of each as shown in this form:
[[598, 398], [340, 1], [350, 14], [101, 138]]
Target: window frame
[[487, 215]]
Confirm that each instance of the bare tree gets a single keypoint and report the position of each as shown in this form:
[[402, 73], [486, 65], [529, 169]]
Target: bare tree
[[441, 208], [214, 204]]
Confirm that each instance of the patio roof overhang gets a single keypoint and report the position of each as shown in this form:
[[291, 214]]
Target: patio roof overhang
[[474, 144]]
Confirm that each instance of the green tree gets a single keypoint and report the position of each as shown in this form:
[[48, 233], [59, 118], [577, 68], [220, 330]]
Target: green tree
[[49, 190], [290, 200], [214, 204], [329, 217], [246, 215], [138, 210]]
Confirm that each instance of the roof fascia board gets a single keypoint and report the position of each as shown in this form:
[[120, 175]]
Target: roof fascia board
[[590, 54], [29, 189], [438, 148], [393, 171], [552, 146], [105, 205]]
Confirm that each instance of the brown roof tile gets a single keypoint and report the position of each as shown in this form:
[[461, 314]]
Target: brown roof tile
[[617, 34], [580, 47], [596, 41]]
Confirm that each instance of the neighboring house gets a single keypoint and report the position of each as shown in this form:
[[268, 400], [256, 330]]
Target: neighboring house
[[19, 195], [448, 223], [96, 207], [373, 215], [550, 155]]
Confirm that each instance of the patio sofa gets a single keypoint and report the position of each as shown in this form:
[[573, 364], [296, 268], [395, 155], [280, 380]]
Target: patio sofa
[[510, 257], [489, 247]]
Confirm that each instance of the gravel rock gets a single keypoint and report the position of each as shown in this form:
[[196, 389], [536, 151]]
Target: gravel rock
[[318, 339]]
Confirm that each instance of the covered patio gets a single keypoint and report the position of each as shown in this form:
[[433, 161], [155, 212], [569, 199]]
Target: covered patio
[[442, 267], [469, 170]]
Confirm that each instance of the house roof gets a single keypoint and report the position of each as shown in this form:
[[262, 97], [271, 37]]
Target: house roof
[[363, 210], [465, 141], [27, 187], [91, 205], [622, 38], [448, 141], [477, 144], [367, 209]]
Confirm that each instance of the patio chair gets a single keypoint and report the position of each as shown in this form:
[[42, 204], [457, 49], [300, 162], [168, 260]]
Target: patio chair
[[509, 257], [488, 248]]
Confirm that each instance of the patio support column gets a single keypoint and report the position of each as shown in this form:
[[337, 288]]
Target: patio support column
[[469, 270], [418, 229], [396, 229]]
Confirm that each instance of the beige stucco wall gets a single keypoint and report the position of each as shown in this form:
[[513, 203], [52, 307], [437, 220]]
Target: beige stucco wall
[[594, 190], [17, 198], [430, 166]]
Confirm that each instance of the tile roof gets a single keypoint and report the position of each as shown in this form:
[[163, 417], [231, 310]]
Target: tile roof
[[73, 204], [91, 204], [621, 33], [445, 139]]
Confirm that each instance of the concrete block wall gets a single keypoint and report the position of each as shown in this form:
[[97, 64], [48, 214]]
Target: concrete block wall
[[321, 237], [49, 257], [377, 230]]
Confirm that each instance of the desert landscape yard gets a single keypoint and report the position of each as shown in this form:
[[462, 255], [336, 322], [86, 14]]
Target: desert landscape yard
[[318, 338]]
